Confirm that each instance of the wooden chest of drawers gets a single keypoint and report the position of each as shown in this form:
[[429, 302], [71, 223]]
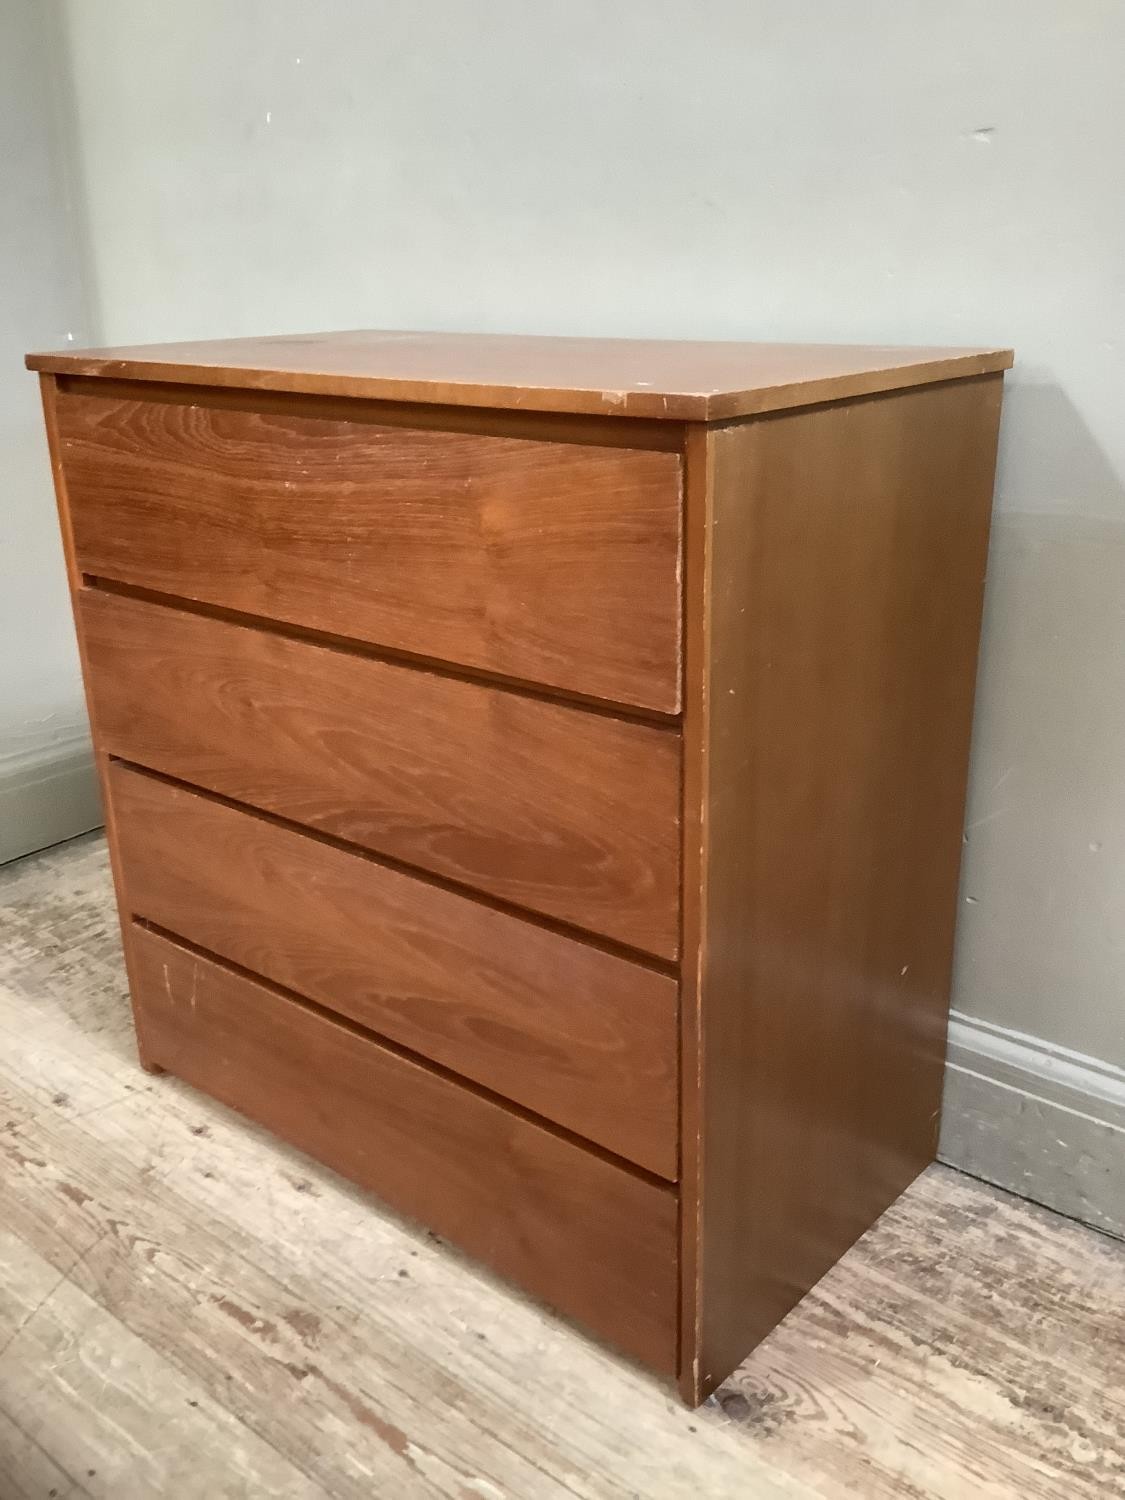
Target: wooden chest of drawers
[[534, 772]]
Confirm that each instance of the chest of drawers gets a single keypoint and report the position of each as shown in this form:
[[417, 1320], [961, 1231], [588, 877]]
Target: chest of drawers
[[534, 773]]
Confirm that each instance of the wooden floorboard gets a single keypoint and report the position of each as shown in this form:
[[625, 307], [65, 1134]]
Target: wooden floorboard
[[188, 1308]]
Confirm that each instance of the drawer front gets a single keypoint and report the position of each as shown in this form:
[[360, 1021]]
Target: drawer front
[[556, 563], [555, 809], [586, 1236], [577, 1035]]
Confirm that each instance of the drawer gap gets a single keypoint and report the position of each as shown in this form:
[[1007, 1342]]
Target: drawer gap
[[349, 646], [426, 877], [409, 1055]]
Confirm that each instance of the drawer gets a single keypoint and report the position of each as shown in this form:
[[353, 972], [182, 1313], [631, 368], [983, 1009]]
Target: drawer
[[552, 562], [588, 1237], [555, 809], [578, 1035]]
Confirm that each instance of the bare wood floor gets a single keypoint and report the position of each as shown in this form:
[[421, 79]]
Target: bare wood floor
[[190, 1310]]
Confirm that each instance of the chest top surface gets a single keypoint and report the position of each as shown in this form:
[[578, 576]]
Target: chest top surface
[[654, 378]]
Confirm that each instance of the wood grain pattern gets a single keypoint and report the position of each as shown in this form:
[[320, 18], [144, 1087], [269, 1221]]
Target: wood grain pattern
[[654, 378], [363, 1350], [559, 811], [48, 392], [555, 563], [785, 829], [588, 1237], [577, 1035], [118, 1390], [247, 1316], [839, 610]]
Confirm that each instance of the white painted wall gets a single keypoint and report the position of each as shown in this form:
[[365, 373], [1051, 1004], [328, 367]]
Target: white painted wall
[[46, 785], [893, 171]]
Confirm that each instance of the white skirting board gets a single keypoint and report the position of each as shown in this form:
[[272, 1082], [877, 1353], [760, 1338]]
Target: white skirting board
[[1043, 1121], [46, 799]]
